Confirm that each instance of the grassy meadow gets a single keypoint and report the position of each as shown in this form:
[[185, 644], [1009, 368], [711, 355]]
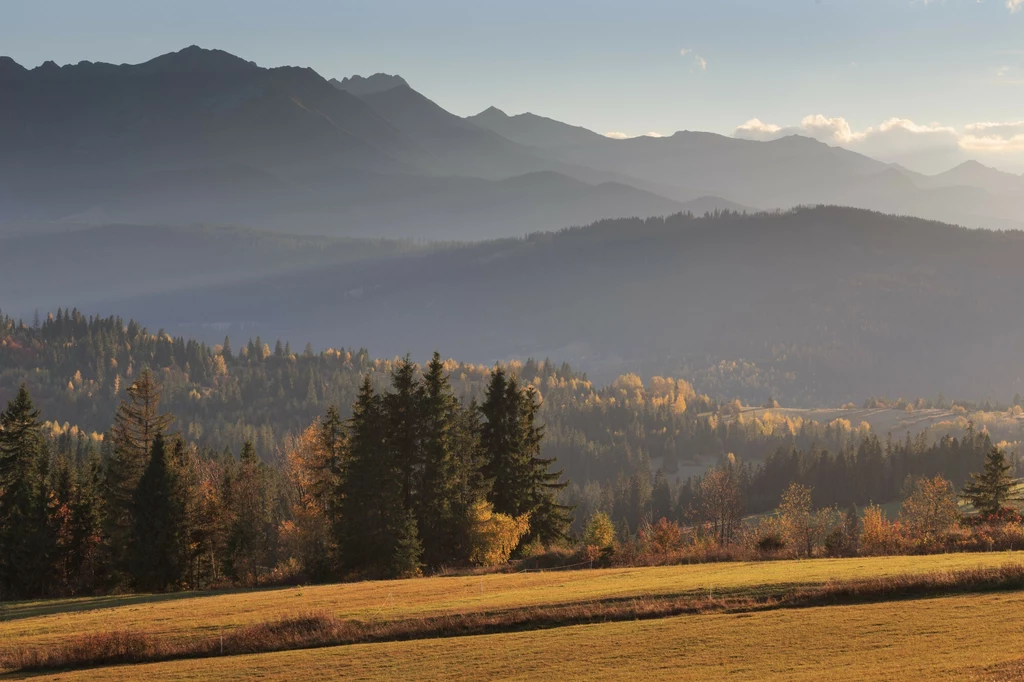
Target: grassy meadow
[[959, 637], [184, 616]]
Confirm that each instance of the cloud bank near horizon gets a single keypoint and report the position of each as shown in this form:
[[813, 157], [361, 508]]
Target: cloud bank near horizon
[[927, 148]]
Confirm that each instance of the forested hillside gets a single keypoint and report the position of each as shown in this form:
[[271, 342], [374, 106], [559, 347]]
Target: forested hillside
[[425, 467], [818, 306], [610, 438]]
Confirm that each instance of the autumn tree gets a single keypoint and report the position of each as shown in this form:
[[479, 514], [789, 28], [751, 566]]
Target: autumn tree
[[494, 536], [312, 465], [599, 532], [805, 527], [930, 509], [720, 504]]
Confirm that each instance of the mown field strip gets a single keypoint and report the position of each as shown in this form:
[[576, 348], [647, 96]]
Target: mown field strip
[[178, 617], [926, 639]]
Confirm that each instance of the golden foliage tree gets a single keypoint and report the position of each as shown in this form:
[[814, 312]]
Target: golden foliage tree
[[930, 509], [494, 536], [600, 531]]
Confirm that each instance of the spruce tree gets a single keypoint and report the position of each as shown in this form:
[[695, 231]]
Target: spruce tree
[[403, 412], [136, 424], [85, 524], [991, 490], [248, 542], [451, 480], [21, 450], [333, 440], [157, 524], [376, 533], [523, 482]]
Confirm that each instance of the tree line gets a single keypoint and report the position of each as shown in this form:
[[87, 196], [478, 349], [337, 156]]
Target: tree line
[[414, 480]]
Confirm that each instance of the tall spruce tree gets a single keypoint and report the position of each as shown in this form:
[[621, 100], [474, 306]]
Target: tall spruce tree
[[157, 528], [22, 449], [377, 534], [451, 478], [403, 413], [523, 482], [991, 490], [248, 540], [136, 424], [85, 525]]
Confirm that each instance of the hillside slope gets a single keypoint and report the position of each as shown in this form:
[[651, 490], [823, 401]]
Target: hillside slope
[[829, 304]]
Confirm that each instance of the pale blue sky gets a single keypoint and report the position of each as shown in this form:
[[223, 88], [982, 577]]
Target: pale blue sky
[[610, 66]]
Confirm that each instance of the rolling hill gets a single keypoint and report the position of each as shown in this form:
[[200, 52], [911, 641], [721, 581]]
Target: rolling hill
[[815, 306]]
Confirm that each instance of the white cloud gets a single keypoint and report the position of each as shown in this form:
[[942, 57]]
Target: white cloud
[[995, 138], [928, 147], [1014, 5], [756, 129], [625, 136], [698, 61]]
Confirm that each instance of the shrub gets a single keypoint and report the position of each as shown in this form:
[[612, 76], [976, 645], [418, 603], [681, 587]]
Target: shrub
[[664, 537], [879, 536], [495, 536]]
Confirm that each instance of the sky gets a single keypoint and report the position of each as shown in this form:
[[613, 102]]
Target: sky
[[927, 83]]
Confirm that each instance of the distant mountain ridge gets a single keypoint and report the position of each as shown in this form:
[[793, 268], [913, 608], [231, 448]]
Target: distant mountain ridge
[[359, 86], [813, 306], [204, 136]]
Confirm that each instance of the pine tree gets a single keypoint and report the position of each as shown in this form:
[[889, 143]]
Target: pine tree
[[21, 450], [248, 533], [85, 525], [990, 491], [377, 534], [402, 410], [523, 482], [332, 439], [451, 481], [136, 424], [157, 524]]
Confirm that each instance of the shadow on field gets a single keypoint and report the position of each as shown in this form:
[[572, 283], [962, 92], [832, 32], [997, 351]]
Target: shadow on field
[[31, 609]]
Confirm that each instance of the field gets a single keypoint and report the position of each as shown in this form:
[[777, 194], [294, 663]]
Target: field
[[945, 638], [921, 638]]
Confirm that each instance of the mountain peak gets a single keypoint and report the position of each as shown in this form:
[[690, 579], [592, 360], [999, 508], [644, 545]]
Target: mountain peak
[[378, 82], [10, 68], [491, 112], [195, 58]]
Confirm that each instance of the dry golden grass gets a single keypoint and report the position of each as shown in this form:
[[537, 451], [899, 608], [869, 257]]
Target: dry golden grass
[[311, 630], [186, 617], [961, 637]]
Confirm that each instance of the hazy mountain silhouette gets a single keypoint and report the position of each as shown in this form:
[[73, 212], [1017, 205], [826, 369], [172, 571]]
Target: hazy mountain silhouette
[[359, 86], [820, 305], [536, 131], [204, 136]]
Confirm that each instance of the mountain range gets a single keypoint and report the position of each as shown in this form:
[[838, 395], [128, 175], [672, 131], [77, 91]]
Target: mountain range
[[204, 194], [202, 136]]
